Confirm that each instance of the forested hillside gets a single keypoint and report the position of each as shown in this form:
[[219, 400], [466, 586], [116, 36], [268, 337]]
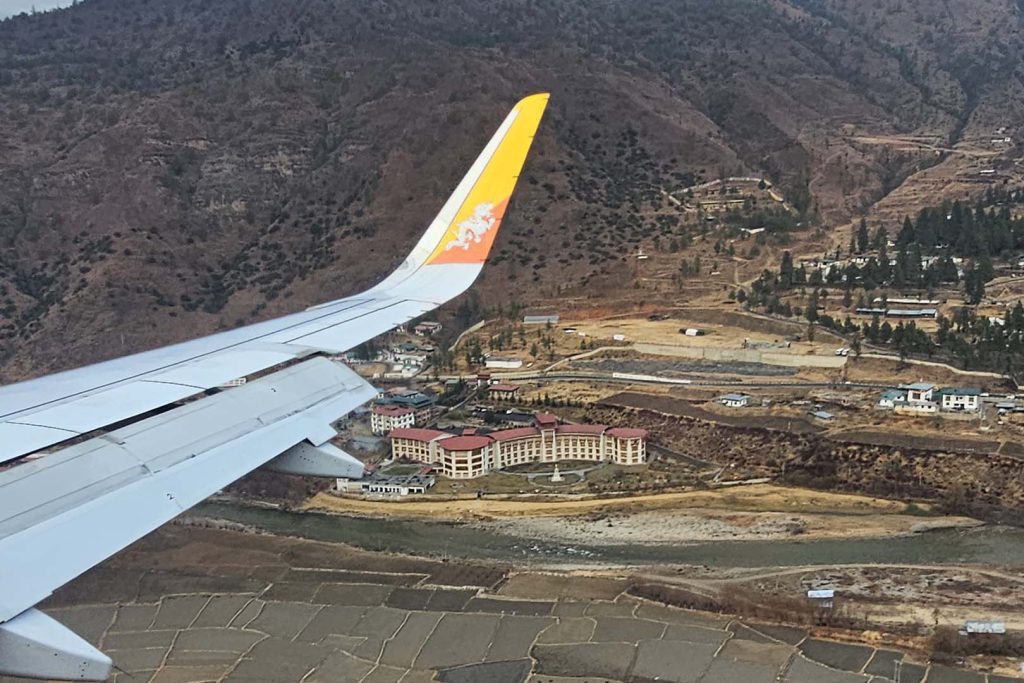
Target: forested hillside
[[172, 167]]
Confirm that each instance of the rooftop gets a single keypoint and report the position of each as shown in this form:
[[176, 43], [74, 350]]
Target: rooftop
[[913, 312], [417, 434], [465, 443], [415, 399], [391, 411], [516, 433], [919, 386], [503, 387], [470, 440], [960, 391], [627, 433], [996, 627], [545, 419], [580, 429]]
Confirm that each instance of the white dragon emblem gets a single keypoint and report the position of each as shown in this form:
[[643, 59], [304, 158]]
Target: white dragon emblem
[[473, 229]]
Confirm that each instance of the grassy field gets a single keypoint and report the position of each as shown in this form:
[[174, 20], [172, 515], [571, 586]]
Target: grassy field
[[753, 498]]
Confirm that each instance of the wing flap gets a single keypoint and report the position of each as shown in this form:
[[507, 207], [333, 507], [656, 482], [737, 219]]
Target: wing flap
[[95, 498], [106, 407], [18, 439], [216, 370]]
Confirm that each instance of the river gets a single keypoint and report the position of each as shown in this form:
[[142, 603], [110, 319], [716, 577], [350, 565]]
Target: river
[[987, 545]]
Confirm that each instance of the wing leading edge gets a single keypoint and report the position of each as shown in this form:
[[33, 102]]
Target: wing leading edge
[[42, 412], [141, 435]]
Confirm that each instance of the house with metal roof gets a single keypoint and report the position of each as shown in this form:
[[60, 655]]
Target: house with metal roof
[[822, 597], [891, 398], [912, 313], [503, 363], [540, 319], [920, 400], [734, 400], [985, 627], [919, 392], [959, 399]]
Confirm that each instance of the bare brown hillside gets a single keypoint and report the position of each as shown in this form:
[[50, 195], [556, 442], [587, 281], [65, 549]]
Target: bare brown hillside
[[175, 167]]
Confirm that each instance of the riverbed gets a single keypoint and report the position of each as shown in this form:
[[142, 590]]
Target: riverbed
[[987, 545]]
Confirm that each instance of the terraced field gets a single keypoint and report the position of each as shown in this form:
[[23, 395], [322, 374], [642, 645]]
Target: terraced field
[[189, 605]]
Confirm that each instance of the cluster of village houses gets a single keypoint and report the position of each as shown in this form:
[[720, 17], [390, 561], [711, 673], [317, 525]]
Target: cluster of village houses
[[923, 398], [402, 408], [919, 398], [826, 264], [406, 359], [409, 358]]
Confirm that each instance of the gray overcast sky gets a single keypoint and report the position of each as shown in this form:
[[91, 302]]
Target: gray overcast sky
[[11, 7]]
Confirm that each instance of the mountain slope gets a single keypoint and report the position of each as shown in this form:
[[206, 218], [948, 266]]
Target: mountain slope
[[171, 168]]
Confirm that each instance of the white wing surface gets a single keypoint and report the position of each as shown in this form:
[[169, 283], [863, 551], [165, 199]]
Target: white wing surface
[[95, 458]]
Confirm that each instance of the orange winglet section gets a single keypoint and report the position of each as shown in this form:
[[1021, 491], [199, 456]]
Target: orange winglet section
[[471, 234]]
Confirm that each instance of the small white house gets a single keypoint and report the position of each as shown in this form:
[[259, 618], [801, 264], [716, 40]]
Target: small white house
[[919, 408], [985, 627], [427, 328], [920, 392], [957, 399], [822, 597], [891, 398], [734, 400]]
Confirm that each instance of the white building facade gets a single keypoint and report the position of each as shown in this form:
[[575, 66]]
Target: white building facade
[[383, 419], [472, 455]]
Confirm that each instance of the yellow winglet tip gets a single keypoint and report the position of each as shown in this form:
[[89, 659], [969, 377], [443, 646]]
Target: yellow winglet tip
[[535, 102], [470, 235]]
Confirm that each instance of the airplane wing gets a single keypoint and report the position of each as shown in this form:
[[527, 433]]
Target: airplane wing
[[95, 458]]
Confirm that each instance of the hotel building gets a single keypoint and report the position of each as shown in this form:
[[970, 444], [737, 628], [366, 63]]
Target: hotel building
[[468, 455], [384, 418]]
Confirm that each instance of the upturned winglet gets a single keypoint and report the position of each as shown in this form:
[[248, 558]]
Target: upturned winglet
[[464, 229], [471, 230]]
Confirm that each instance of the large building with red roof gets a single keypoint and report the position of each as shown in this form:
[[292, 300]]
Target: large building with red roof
[[467, 455]]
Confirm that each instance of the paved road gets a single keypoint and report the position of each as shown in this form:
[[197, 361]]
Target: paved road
[[696, 381]]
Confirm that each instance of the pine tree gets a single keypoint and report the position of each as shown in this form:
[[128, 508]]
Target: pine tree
[[863, 241], [881, 238], [812, 307], [786, 271]]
